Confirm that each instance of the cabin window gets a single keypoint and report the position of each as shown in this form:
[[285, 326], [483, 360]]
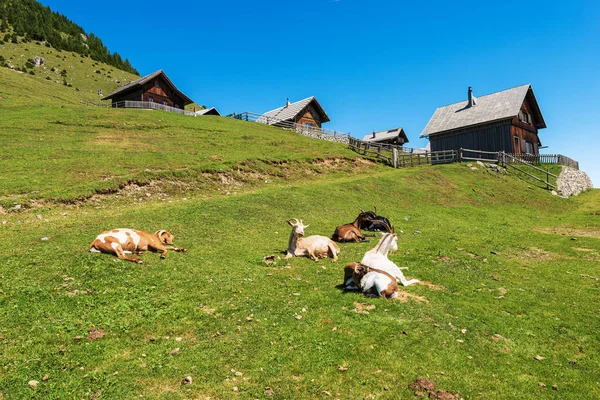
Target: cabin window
[[156, 83], [150, 99], [529, 147], [308, 125], [524, 117], [164, 102]]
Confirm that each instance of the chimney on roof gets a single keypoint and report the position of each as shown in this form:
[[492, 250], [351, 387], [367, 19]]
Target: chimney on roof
[[287, 102], [472, 99], [373, 134]]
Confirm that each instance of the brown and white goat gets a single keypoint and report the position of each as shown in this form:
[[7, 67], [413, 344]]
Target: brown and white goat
[[351, 232], [130, 241], [370, 281], [312, 246]]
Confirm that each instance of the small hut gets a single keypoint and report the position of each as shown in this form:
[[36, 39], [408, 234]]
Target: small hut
[[390, 136], [154, 88]]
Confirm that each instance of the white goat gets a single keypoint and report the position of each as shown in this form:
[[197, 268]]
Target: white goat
[[312, 246], [370, 281], [378, 258]]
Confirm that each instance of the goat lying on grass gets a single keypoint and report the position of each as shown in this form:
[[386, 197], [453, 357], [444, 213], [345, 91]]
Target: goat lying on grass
[[374, 222], [370, 281], [313, 246], [377, 258], [351, 232], [130, 241]]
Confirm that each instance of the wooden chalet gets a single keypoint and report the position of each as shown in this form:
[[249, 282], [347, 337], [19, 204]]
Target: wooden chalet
[[503, 121], [306, 113], [390, 136], [153, 88]]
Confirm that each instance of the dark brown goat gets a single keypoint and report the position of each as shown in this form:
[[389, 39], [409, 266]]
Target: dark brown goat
[[350, 232]]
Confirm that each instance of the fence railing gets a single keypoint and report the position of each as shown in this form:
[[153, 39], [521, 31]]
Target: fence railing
[[547, 159], [148, 105], [400, 156], [509, 160], [312, 131]]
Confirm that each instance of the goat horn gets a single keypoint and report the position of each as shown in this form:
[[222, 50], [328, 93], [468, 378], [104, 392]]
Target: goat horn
[[375, 207], [387, 226], [361, 210]]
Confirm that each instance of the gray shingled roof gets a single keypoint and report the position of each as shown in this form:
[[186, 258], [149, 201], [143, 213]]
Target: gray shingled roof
[[386, 135], [290, 112], [212, 111], [492, 107], [139, 82]]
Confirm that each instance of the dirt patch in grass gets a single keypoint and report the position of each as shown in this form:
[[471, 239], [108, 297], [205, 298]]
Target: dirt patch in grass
[[431, 285], [533, 254], [95, 334], [155, 388], [363, 308], [404, 297], [423, 386], [244, 176], [569, 231]]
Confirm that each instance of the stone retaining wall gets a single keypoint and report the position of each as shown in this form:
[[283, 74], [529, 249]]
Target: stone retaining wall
[[571, 182], [324, 136]]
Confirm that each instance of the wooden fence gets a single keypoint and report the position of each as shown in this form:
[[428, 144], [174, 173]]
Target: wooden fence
[[148, 105], [518, 164], [311, 131], [399, 156]]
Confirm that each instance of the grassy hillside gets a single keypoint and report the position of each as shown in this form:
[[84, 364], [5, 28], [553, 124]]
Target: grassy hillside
[[82, 76], [508, 305], [55, 149]]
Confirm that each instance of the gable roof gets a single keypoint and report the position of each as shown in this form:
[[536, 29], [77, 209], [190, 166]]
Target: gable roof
[[208, 111], [291, 111], [139, 82], [385, 135], [492, 107]]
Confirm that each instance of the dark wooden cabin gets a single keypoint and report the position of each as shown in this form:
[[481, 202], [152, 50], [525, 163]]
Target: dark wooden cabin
[[153, 88], [503, 121], [390, 136], [306, 113]]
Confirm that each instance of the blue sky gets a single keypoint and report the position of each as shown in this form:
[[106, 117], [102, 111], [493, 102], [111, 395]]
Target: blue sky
[[373, 65]]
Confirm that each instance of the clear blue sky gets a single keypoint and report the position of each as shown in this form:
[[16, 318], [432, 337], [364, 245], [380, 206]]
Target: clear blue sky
[[372, 65]]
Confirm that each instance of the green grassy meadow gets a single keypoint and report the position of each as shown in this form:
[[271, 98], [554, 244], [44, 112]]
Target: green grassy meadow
[[508, 306]]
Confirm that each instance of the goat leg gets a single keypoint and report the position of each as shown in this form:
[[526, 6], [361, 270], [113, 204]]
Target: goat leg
[[313, 256], [121, 254]]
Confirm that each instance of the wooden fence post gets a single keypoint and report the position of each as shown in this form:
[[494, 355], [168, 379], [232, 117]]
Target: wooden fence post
[[395, 157]]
